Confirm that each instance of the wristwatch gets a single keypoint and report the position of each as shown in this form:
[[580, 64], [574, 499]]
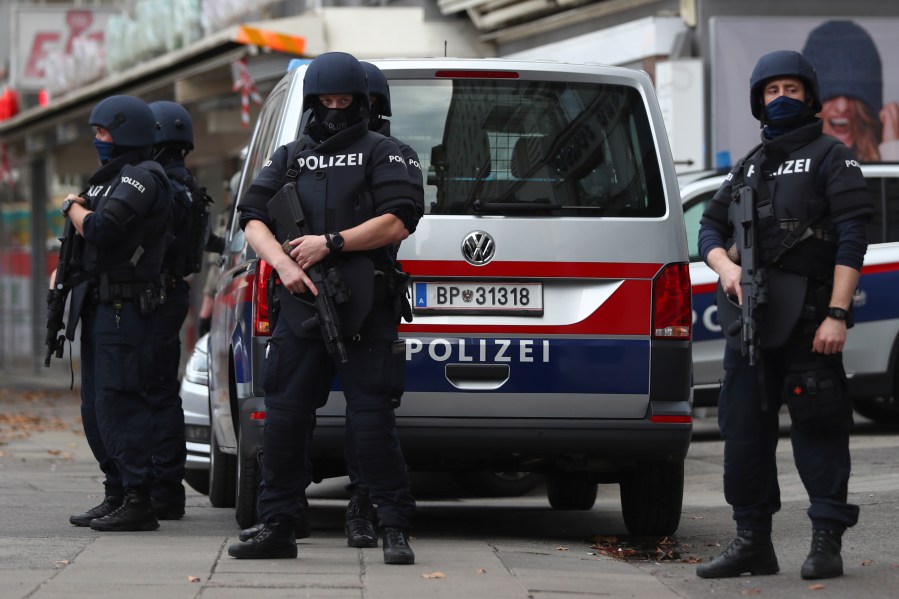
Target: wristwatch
[[66, 205], [837, 313], [335, 242]]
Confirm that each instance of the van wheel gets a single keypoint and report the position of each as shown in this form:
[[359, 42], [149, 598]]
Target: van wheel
[[247, 487], [222, 473], [883, 410], [567, 493], [651, 498], [198, 480], [484, 483]]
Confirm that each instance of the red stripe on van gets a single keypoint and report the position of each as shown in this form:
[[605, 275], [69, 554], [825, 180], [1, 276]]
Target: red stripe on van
[[704, 288], [545, 270], [876, 268], [626, 312]]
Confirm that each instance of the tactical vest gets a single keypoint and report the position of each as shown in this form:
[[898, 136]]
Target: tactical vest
[[140, 259], [192, 224], [795, 231]]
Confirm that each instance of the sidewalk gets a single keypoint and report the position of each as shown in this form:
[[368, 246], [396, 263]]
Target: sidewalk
[[502, 549]]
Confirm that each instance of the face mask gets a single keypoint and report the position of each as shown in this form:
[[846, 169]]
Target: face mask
[[784, 108], [104, 149]]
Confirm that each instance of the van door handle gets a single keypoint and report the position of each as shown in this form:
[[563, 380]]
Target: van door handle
[[477, 377]]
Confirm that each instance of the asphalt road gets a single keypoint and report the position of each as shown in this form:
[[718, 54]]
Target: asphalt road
[[464, 545]]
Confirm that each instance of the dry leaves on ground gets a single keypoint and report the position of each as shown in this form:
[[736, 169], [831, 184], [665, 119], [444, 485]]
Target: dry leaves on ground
[[432, 575], [664, 549]]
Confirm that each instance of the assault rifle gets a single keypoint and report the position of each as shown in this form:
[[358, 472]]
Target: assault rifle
[[56, 296], [287, 213], [753, 278]]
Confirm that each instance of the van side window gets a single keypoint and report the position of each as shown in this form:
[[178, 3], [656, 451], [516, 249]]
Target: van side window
[[692, 215], [261, 147]]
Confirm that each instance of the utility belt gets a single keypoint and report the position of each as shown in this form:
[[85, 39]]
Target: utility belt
[[145, 295]]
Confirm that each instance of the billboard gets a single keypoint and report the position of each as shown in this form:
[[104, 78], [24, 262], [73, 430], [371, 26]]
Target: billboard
[[42, 34], [857, 61]]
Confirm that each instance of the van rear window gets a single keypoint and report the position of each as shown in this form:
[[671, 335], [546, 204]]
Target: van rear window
[[530, 148]]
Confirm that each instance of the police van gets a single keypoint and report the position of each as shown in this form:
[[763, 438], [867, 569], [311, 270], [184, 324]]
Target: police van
[[871, 354], [549, 284]]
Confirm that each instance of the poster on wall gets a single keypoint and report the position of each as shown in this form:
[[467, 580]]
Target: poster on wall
[[857, 62]]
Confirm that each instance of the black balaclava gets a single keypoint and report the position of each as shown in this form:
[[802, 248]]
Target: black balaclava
[[329, 121]]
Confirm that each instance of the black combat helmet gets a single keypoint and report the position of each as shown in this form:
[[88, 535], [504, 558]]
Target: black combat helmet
[[173, 124], [378, 87], [782, 63], [128, 119], [335, 73]]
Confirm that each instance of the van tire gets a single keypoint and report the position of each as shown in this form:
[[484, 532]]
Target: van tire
[[222, 474], [652, 496], [569, 493], [247, 491]]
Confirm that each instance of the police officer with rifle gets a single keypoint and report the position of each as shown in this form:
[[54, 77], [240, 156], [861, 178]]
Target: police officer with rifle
[[123, 223], [356, 200], [797, 208]]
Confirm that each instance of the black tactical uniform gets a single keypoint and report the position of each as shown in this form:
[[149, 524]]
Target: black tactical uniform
[[184, 256], [125, 234], [812, 207], [345, 176]]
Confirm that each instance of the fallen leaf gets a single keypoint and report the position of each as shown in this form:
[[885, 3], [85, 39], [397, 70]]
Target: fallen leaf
[[751, 592], [2, 454], [62, 562], [697, 517], [692, 560], [193, 579], [561, 548], [604, 540], [431, 575], [868, 562], [54, 451], [817, 587], [481, 571]]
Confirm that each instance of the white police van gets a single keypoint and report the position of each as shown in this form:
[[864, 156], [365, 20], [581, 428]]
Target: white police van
[[871, 355], [550, 289]]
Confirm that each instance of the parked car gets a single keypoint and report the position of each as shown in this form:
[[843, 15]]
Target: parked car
[[195, 404], [871, 354], [550, 289]]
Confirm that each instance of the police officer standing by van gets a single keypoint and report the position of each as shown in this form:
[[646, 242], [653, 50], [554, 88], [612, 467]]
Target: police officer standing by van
[[811, 209], [356, 195], [183, 257], [124, 223]]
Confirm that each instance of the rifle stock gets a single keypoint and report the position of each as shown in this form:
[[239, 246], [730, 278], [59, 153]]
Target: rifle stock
[[753, 278], [284, 208], [57, 295]]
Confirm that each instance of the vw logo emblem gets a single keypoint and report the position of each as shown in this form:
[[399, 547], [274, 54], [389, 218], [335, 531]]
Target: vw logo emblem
[[478, 248]]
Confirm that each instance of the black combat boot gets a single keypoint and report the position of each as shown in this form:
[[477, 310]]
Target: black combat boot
[[168, 511], [824, 559], [275, 540], [359, 522], [135, 514], [301, 528], [109, 505], [751, 551], [396, 546]]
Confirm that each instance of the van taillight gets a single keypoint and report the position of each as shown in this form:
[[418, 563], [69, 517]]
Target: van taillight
[[261, 324], [672, 311]]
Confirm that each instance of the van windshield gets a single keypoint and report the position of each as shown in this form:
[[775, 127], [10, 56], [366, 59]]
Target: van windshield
[[530, 148]]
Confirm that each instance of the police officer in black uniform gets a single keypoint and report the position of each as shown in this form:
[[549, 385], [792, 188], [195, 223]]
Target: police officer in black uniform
[[174, 140], [360, 519], [812, 209], [124, 223], [357, 198]]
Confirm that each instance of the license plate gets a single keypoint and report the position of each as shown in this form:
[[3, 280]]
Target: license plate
[[458, 297]]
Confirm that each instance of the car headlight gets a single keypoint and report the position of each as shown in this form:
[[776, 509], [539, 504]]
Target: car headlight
[[197, 369]]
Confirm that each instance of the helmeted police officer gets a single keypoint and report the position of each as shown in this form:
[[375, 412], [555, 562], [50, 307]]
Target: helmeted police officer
[[174, 140], [124, 222], [812, 208], [356, 195]]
